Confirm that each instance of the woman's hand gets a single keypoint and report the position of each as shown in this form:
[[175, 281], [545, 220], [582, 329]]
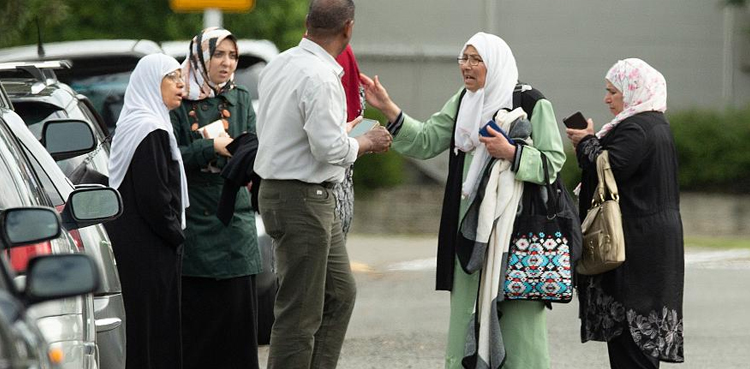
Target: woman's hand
[[498, 146], [576, 135], [377, 97], [220, 145]]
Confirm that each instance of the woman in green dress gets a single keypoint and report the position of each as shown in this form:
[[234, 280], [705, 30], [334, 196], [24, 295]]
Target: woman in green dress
[[220, 262], [490, 79]]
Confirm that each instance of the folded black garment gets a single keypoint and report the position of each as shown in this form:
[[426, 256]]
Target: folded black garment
[[238, 172]]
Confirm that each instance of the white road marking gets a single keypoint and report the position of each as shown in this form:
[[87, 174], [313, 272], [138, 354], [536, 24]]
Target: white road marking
[[413, 265], [718, 259], [734, 259]]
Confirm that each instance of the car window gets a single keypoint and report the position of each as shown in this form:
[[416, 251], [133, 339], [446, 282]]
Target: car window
[[18, 186], [248, 77], [88, 109], [34, 114], [106, 93], [47, 184]]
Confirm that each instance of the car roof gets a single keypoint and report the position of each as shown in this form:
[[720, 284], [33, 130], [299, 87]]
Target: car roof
[[262, 49], [53, 94], [88, 57], [32, 83], [83, 48]]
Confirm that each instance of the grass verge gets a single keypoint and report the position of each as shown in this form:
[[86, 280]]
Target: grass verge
[[717, 243]]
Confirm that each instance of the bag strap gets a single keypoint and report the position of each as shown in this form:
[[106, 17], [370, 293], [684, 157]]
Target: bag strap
[[607, 183], [551, 194]]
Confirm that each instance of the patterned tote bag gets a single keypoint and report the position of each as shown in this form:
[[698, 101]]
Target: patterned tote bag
[[546, 234]]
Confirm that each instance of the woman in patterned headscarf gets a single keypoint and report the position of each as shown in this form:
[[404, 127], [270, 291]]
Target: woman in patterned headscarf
[[220, 262], [636, 308]]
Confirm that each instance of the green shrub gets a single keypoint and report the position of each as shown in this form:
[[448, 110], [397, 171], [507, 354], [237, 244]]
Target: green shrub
[[712, 148], [570, 173]]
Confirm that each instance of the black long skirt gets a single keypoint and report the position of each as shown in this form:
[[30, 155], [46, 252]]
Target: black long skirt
[[219, 323]]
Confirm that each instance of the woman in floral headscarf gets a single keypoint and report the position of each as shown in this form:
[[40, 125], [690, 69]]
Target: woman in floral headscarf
[[220, 262], [636, 308]]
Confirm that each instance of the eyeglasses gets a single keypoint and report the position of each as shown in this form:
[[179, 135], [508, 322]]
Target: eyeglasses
[[473, 61], [174, 77]]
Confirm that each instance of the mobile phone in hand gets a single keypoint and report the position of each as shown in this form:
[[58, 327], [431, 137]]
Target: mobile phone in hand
[[485, 133], [363, 126], [576, 121]]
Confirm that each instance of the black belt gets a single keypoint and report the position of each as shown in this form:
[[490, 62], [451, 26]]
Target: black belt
[[327, 184]]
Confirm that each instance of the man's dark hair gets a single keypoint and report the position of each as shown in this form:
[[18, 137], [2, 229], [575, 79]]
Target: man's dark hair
[[328, 17]]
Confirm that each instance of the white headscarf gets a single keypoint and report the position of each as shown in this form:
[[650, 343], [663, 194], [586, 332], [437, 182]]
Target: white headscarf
[[143, 112], [195, 66], [478, 107], [643, 89]]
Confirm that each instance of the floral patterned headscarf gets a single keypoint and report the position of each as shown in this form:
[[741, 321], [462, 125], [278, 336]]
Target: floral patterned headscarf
[[643, 89], [195, 66]]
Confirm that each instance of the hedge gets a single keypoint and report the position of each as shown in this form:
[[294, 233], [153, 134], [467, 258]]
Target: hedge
[[712, 151], [712, 148]]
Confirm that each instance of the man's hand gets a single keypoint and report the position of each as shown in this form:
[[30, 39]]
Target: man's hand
[[220, 145], [376, 140], [377, 97]]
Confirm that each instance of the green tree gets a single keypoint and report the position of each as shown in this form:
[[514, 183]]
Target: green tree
[[19, 15], [281, 21]]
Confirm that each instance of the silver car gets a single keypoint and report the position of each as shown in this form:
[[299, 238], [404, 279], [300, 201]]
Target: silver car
[[48, 100], [47, 278]]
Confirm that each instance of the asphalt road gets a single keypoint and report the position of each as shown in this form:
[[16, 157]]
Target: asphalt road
[[401, 322]]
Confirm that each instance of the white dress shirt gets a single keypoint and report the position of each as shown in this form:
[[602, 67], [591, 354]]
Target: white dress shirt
[[301, 122]]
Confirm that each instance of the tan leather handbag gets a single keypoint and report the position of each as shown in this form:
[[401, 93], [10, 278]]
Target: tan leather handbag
[[603, 239]]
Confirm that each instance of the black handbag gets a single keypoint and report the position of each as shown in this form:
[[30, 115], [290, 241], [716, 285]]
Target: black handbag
[[546, 241]]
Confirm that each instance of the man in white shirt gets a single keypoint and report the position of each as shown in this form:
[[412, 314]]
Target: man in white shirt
[[303, 150]]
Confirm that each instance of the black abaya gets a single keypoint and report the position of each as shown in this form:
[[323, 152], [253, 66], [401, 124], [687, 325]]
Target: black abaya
[[642, 297], [147, 241]]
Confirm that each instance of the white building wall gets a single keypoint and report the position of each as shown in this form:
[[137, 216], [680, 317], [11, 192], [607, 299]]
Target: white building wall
[[562, 47]]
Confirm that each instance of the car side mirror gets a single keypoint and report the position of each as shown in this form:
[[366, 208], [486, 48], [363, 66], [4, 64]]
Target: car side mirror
[[89, 205], [52, 277], [28, 225], [67, 138]]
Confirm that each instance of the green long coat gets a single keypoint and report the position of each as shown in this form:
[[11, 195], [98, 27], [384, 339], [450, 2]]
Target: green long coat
[[211, 249], [524, 323]]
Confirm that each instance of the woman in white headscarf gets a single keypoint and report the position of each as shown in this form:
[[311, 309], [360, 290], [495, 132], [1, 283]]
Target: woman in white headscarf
[[490, 78], [146, 167], [637, 307]]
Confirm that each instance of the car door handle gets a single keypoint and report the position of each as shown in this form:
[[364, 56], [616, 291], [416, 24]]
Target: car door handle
[[107, 324]]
